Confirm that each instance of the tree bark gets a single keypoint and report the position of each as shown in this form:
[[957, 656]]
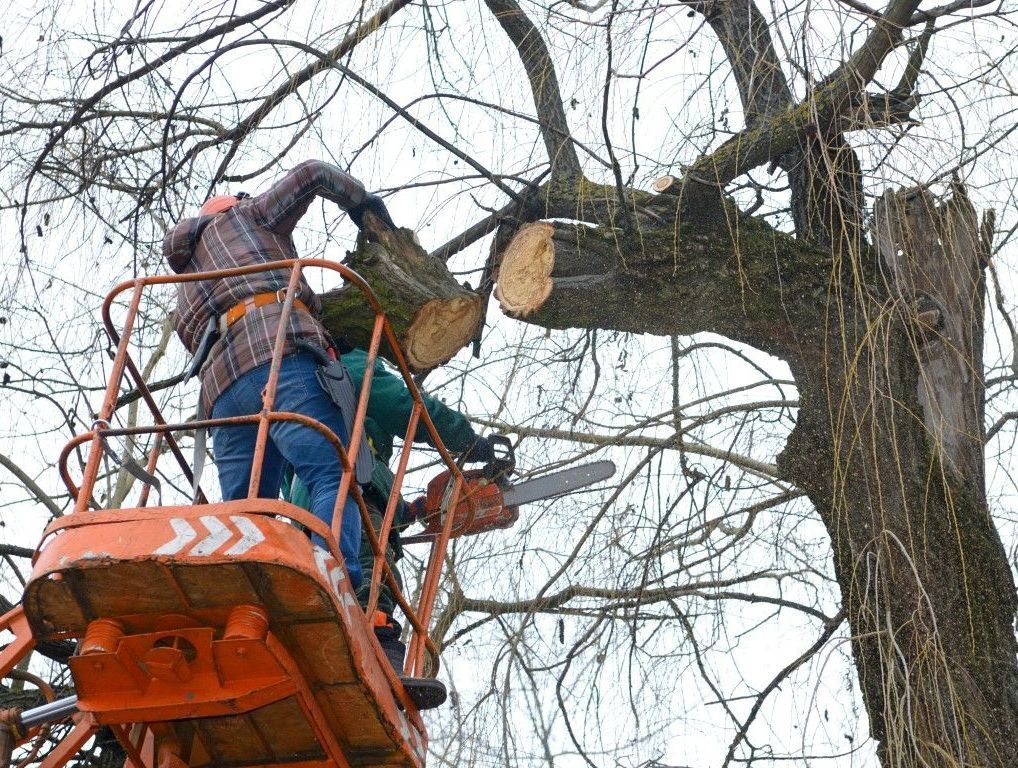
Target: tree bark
[[923, 574], [432, 315]]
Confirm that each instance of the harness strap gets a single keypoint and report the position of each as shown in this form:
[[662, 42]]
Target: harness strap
[[251, 303], [198, 459]]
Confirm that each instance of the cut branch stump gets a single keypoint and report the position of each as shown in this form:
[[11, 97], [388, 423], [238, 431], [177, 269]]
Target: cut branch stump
[[542, 253]]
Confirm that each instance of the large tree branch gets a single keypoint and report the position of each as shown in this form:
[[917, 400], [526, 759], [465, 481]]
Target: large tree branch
[[720, 271], [431, 314], [769, 139], [805, 140], [862, 65], [745, 36], [543, 84]]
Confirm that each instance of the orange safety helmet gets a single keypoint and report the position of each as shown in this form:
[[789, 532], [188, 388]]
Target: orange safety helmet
[[218, 204]]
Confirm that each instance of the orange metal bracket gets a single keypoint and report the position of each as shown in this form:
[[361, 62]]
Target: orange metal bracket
[[180, 673], [84, 729], [14, 621]]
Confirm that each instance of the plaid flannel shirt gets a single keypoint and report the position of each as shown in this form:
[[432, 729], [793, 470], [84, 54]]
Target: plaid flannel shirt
[[256, 230]]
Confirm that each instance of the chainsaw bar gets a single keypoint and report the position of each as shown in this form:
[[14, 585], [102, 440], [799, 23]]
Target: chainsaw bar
[[556, 483]]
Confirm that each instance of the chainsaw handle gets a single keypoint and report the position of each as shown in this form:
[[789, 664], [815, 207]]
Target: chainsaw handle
[[504, 463]]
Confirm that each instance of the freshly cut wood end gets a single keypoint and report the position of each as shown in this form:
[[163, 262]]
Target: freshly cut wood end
[[440, 329], [665, 184], [524, 276]]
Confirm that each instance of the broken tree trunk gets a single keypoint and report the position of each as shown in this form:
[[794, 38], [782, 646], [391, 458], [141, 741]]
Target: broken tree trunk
[[432, 315], [934, 264]]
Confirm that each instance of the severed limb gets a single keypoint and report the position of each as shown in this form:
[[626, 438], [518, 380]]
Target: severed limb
[[432, 315]]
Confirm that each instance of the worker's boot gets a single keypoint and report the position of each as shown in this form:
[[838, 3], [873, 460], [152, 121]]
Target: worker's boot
[[425, 692], [388, 631]]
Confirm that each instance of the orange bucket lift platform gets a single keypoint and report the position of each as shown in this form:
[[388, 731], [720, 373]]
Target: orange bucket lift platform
[[216, 634]]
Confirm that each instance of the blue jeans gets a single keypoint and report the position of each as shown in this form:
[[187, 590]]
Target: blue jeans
[[314, 459]]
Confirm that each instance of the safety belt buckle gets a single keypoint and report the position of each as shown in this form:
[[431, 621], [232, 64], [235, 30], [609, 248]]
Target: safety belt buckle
[[281, 294]]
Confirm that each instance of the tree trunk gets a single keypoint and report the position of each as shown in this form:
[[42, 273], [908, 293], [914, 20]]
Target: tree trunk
[[924, 577], [894, 420], [432, 315]]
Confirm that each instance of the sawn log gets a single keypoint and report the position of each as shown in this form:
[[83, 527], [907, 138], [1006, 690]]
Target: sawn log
[[432, 315]]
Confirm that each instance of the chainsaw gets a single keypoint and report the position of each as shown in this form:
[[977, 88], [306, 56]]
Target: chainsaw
[[488, 500]]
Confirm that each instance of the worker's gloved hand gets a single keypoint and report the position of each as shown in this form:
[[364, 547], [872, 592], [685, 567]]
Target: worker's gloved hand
[[417, 508], [374, 204], [482, 451]]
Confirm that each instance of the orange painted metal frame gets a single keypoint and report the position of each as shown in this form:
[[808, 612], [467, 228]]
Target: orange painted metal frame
[[85, 727], [135, 535], [418, 616]]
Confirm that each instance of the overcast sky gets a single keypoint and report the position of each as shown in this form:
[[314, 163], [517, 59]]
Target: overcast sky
[[524, 377]]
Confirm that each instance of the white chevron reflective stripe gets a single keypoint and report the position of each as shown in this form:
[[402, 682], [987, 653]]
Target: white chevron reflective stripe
[[334, 574], [410, 734], [184, 535], [320, 557], [219, 534], [250, 535]]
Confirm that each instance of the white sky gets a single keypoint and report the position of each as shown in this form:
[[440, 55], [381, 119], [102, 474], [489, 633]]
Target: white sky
[[673, 720]]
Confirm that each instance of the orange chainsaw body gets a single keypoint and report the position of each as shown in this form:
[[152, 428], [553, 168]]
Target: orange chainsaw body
[[481, 506]]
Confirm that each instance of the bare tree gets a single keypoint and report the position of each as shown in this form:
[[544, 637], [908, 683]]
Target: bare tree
[[767, 227]]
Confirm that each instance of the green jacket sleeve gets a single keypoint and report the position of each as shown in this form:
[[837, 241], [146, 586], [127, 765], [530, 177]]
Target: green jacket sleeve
[[293, 489], [390, 406]]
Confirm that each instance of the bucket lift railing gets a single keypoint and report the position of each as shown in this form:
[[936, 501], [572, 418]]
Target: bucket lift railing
[[419, 616]]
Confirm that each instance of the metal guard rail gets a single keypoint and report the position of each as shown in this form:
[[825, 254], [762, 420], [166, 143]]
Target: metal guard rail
[[419, 617]]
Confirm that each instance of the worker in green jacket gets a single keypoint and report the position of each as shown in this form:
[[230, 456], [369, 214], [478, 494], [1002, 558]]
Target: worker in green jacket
[[388, 416]]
